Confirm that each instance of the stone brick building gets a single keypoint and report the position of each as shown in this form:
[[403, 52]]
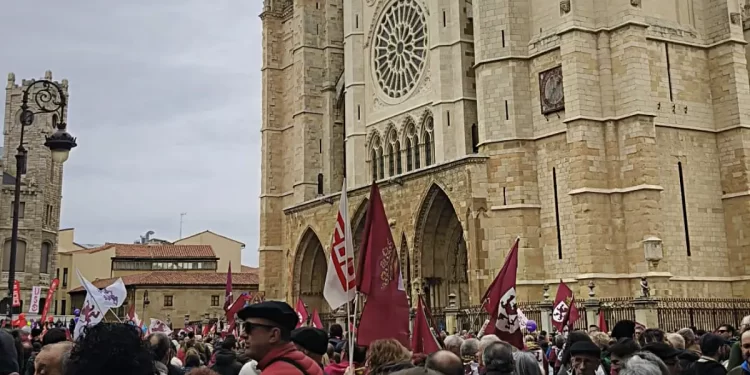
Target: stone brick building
[[40, 197], [611, 136]]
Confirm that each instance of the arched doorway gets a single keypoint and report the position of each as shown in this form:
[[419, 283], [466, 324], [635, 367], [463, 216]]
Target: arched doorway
[[441, 251], [405, 258], [310, 272]]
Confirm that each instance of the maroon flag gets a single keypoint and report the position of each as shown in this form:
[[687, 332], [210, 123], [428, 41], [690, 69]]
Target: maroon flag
[[386, 311], [228, 293], [602, 322], [502, 303], [422, 339], [301, 313], [238, 305], [316, 322], [564, 312]]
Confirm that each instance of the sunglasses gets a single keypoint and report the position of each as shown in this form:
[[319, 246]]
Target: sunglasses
[[249, 327]]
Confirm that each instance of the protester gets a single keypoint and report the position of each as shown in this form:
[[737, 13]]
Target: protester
[[469, 350], [445, 362], [555, 354], [666, 354], [336, 337], [311, 341], [162, 354], [744, 367], [585, 358], [50, 359], [387, 356], [226, 358], [566, 360], [602, 340], [8, 354], [637, 365], [52, 336], [676, 340], [192, 360], [725, 331], [708, 364], [735, 354], [624, 329], [526, 364], [360, 357], [111, 349], [269, 328], [453, 343], [620, 352], [498, 359], [651, 335]]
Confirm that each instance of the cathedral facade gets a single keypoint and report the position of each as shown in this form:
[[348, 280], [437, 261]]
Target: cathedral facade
[[612, 137]]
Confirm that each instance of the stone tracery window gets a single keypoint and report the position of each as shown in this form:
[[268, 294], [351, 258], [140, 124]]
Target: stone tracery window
[[429, 145], [400, 48], [394, 156], [377, 159], [412, 147]]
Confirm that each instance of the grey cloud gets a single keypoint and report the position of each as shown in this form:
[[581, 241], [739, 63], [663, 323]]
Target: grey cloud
[[165, 100]]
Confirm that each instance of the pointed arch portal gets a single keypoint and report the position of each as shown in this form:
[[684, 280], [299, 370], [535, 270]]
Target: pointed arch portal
[[310, 271], [442, 251]]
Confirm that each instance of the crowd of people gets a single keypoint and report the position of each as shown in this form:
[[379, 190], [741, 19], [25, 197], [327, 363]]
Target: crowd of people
[[271, 344]]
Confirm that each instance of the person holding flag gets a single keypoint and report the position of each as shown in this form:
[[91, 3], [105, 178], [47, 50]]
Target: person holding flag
[[564, 312]]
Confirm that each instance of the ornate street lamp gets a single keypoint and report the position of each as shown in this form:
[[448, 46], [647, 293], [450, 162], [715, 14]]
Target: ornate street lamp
[[49, 97]]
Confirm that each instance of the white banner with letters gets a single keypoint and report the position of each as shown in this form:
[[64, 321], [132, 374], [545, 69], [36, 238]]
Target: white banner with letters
[[36, 294]]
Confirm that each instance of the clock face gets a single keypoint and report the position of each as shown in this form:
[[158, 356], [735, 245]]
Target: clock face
[[552, 96], [553, 90]]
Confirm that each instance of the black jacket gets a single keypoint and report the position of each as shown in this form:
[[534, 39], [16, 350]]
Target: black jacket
[[226, 363], [705, 367], [8, 354]]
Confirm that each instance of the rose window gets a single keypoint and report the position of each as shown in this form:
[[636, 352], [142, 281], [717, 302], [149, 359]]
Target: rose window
[[400, 48]]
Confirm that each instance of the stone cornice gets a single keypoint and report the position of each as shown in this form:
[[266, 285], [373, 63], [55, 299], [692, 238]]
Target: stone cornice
[[395, 180], [623, 190]]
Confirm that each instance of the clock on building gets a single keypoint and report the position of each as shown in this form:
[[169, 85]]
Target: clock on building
[[551, 95]]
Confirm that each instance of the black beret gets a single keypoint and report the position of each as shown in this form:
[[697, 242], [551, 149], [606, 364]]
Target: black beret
[[624, 328], [662, 350], [275, 311], [312, 339], [585, 347]]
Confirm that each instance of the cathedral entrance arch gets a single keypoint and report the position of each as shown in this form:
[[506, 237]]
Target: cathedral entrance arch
[[441, 250], [310, 267]]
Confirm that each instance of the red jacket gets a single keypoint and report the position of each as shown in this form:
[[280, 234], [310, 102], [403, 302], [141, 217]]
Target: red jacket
[[271, 365]]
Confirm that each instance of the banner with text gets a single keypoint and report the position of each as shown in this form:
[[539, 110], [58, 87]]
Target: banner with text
[[16, 293], [36, 295]]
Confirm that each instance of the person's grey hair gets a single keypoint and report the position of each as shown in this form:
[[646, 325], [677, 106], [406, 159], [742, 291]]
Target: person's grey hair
[[498, 358], [470, 347], [677, 341], [526, 363], [418, 370], [644, 363], [453, 341], [486, 340], [65, 358]]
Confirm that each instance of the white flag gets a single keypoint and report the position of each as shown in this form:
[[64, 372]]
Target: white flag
[[36, 294], [114, 295], [157, 326], [340, 277], [90, 316]]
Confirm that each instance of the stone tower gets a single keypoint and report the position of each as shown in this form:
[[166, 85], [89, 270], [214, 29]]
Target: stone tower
[[40, 194], [611, 137]]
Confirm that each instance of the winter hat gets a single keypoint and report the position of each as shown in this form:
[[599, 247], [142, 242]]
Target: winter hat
[[311, 339]]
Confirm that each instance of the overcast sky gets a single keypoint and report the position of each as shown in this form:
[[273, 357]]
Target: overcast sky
[[166, 104]]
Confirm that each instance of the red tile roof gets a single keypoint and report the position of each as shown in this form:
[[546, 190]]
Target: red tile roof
[[178, 278], [155, 251]]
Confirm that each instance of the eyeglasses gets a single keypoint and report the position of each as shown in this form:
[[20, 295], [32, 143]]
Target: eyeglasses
[[250, 326], [723, 331]]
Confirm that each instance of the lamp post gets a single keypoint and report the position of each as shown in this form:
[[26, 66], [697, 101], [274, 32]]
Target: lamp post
[[49, 97]]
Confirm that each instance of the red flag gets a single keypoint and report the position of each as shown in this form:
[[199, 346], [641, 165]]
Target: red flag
[[50, 293], [316, 322], [602, 322], [206, 329], [238, 305], [301, 313], [228, 292], [386, 311], [502, 303], [564, 312], [422, 339], [16, 293]]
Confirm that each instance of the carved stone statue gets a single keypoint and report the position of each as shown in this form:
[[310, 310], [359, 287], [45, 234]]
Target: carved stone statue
[[645, 290], [565, 6]]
